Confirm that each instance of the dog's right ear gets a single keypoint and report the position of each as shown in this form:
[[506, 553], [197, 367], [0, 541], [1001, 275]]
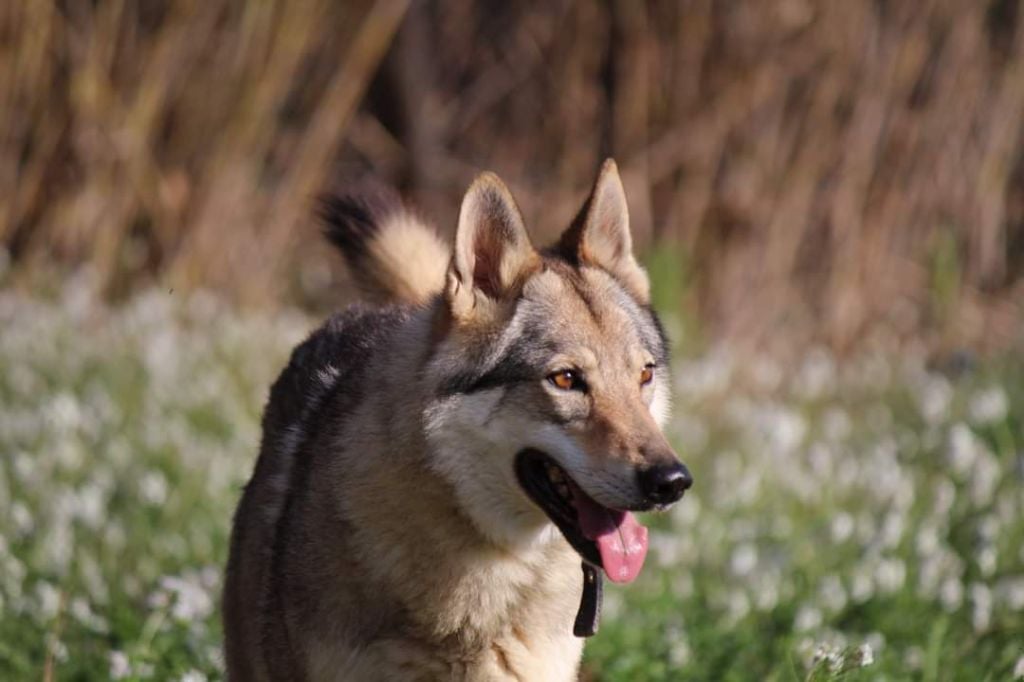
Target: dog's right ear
[[493, 254]]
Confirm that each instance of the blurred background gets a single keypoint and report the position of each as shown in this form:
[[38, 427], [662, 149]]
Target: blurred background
[[829, 197], [844, 171]]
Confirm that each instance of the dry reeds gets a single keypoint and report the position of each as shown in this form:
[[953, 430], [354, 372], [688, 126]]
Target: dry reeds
[[827, 168]]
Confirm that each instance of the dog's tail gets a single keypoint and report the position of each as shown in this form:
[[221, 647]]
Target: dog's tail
[[393, 254]]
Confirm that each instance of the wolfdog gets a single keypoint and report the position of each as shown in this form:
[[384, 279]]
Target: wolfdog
[[444, 476]]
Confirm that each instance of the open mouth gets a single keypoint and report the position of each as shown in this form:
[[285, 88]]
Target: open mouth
[[609, 539]]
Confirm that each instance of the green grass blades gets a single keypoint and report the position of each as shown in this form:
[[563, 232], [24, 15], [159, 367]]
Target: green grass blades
[[125, 437]]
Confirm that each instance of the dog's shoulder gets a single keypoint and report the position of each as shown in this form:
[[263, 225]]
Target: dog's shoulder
[[335, 354]]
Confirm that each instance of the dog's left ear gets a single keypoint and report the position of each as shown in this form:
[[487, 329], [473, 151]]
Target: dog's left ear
[[600, 234]]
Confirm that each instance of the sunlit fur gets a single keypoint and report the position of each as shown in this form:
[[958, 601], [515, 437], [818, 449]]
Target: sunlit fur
[[384, 534]]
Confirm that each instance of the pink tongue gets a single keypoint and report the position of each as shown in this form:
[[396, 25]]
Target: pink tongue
[[620, 538]]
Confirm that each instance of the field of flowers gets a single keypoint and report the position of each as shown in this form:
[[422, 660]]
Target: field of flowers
[[856, 522]]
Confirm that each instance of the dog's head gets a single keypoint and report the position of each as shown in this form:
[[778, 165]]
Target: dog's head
[[552, 380]]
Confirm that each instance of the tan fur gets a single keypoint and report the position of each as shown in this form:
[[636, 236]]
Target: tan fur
[[389, 539], [405, 261]]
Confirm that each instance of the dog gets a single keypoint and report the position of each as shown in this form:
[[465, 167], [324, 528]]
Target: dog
[[446, 476]]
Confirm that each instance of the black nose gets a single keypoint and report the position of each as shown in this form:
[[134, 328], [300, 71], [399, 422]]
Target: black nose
[[665, 483]]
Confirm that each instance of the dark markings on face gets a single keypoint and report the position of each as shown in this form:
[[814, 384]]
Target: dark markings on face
[[523, 361], [662, 353], [527, 356]]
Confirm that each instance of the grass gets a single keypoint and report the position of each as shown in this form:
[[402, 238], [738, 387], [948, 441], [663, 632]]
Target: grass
[[862, 522]]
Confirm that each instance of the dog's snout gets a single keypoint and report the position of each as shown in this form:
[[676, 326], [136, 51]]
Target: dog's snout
[[665, 483]]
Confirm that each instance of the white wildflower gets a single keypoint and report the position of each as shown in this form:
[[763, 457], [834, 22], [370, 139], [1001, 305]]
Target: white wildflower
[[786, 430], [57, 648], [49, 599], [744, 559], [766, 593], [981, 599], [191, 600], [92, 576], [193, 676], [862, 587], [12, 577], [1011, 591], [985, 477], [927, 540], [59, 546], [64, 412], [913, 657], [84, 614], [90, 505], [987, 560], [890, 575], [963, 448], [933, 399], [988, 406], [945, 496], [892, 529], [160, 599], [153, 488], [988, 528], [679, 652], [865, 655], [25, 467], [951, 593], [842, 527], [120, 668], [737, 606], [876, 640], [22, 518], [822, 459], [829, 654], [69, 455], [807, 618], [114, 535]]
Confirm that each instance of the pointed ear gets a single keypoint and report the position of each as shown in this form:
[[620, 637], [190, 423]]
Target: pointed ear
[[600, 234], [493, 254]]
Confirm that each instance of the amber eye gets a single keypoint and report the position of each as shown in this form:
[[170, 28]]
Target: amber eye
[[647, 375], [567, 380]]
